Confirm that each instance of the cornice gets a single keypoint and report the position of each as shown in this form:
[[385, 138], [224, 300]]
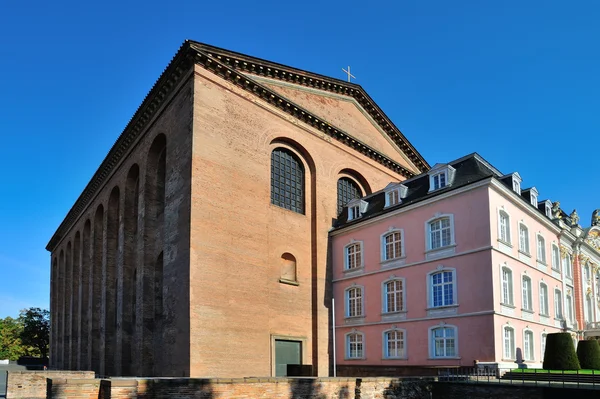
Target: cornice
[[232, 66], [256, 66]]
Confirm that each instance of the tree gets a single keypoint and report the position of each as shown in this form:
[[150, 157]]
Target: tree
[[36, 330], [560, 353], [588, 353], [11, 347]]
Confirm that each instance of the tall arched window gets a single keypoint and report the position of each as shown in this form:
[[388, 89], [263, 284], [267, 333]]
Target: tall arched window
[[287, 180], [347, 190]]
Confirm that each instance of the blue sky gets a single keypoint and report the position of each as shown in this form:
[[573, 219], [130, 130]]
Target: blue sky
[[516, 81]]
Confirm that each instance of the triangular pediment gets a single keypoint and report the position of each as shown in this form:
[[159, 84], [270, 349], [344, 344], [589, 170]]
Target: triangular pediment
[[340, 109]]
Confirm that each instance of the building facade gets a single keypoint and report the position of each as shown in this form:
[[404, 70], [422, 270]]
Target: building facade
[[200, 246], [458, 266]]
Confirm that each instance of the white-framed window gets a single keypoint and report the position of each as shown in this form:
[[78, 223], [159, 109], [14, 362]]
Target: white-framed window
[[508, 334], [354, 301], [527, 294], [533, 196], [394, 192], [394, 344], [356, 208], [440, 232], [393, 295], [355, 345], [523, 238], [588, 274], [528, 348], [507, 286], [555, 258], [589, 308], [567, 265], [544, 299], [569, 306], [541, 249], [353, 256], [392, 245], [504, 227], [443, 341], [543, 345], [393, 198], [440, 176], [548, 208], [516, 186], [439, 180], [558, 310], [442, 288]]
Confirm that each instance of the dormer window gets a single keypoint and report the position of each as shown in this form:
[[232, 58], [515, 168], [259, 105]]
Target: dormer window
[[533, 196], [356, 208], [516, 183], [394, 193], [548, 208], [440, 176]]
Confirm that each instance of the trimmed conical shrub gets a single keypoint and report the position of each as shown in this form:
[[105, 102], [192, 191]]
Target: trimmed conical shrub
[[560, 353], [588, 353]]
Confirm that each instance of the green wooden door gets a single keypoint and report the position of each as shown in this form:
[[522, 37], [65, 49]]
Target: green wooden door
[[286, 352]]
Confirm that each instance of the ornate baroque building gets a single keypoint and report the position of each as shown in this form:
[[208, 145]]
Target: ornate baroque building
[[458, 266], [200, 245]]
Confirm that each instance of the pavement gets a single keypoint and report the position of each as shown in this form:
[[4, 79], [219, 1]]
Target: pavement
[[4, 368]]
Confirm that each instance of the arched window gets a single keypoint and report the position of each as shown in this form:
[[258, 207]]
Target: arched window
[[287, 180], [393, 346], [288, 268], [509, 343], [354, 345], [507, 286], [347, 190]]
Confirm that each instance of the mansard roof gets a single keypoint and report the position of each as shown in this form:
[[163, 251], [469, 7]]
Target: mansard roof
[[238, 69], [468, 170]]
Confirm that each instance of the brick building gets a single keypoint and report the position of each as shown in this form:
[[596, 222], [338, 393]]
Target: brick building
[[200, 246]]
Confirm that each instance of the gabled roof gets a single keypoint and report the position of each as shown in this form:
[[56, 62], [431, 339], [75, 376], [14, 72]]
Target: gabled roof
[[238, 69]]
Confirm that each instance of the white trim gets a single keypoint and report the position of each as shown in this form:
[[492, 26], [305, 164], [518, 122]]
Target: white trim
[[544, 258], [547, 314], [439, 170], [441, 317], [432, 343], [384, 354], [514, 343], [533, 196], [401, 191], [356, 206], [561, 315], [362, 256], [347, 345], [499, 212], [429, 283], [548, 209], [384, 309], [531, 345], [555, 267], [435, 218], [383, 248], [543, 336], [530, 298], [512, 285], [526, 251], [347, 301]]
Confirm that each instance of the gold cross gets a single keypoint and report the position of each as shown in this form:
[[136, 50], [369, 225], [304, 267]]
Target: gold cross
[[348, 73]]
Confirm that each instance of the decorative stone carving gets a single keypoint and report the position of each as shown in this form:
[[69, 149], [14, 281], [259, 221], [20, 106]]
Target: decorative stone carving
[[596, 218], [574, 218], [556, 210], [563, 252], [593, 239]]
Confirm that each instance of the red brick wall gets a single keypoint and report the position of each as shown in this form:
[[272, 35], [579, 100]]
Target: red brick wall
[[32, 384]]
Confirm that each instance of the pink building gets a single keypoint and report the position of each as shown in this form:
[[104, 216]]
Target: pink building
[[453, 267]]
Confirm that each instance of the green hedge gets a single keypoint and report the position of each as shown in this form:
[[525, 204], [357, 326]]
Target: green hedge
[[560, 353], [588, 353]]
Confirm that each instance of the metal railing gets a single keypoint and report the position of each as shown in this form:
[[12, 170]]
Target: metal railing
[[594, 325], [534, 377]]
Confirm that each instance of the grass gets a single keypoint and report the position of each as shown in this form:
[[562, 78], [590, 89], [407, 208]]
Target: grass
[[542, 371]]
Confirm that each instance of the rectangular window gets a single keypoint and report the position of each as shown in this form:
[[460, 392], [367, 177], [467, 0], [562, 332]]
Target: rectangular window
[[444, 342], [543, 299], [567, 266], [527, 305], [509, 343], [528, 346], [355, 346], [394, 296], [523, 239], [504, 227], [439, 180], [442, 288], [354, 212], [507, 289], [393, 197], [354, 302], [589, 308], [353, 256], [516, 186], [569, 305], [558, 304], [393, 245], [541, 249], [394, 344], [555, 258], [440, 233]]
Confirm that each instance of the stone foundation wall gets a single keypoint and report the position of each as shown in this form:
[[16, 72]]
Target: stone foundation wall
[[32, 384], [443, 390]]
